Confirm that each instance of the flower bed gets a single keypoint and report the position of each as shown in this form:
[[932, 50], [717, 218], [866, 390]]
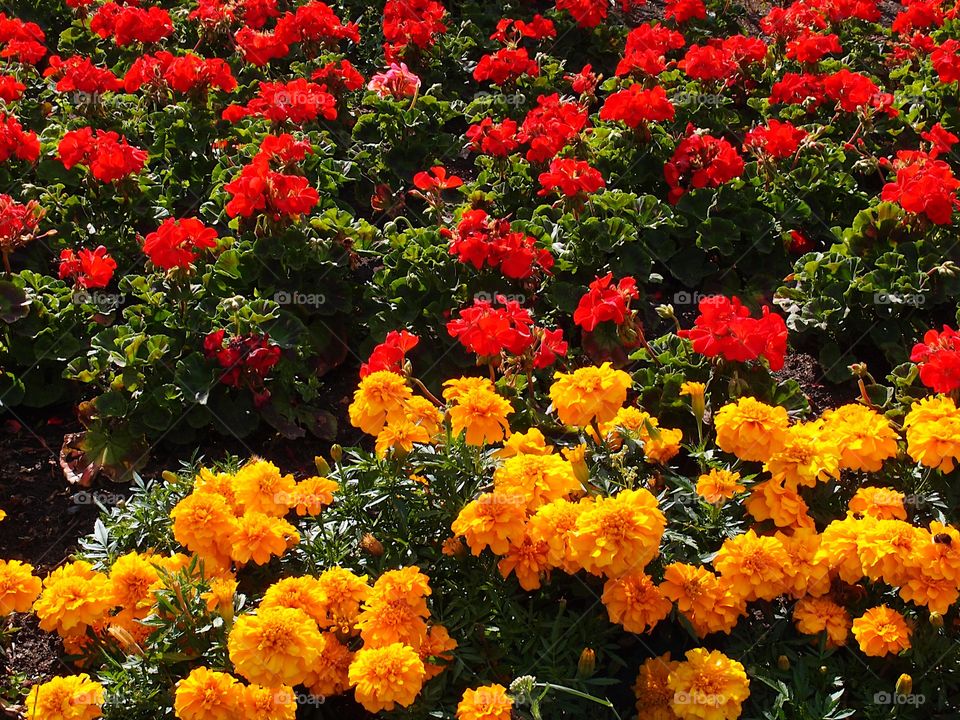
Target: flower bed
[[564, 254]]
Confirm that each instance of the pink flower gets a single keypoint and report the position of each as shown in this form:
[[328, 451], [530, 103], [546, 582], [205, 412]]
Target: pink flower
[[397, 82]]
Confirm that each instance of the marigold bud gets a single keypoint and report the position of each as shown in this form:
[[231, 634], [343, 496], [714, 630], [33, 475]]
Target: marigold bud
[[904, 684], [783, 662], [323, 467], [372, 545], [587, 665]]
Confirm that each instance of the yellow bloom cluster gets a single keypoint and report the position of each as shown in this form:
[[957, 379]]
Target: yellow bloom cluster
[[75, 697], [239, 517], [706, 685]]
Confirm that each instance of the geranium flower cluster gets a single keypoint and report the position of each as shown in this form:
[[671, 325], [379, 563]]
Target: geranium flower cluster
[[15, 142], [701, 160], [176, 244], [79, 74], [107, 154], [21, 41], [313, 24], [725, 329], [184, 74], [245, 360], [411, 23], [938, 358], [483, 241], [259, 189], [130, 23], [297, 101]]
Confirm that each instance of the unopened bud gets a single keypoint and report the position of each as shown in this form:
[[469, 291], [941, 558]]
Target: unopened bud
[[783, 662], [587, 665], [666, 312], [372, 545], [936, 619], [904, 684], [323, 467], [169, 476]]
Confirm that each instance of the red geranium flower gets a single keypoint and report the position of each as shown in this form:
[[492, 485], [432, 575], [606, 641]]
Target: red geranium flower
[[11, 89], [79, 74], [176, 243], [775, 140], [584, 82], [246, 359], [481, 240], [21, 41], [490, 138], [391, 353], [487, 331], [940, 139], [647, 46], [436, 180], [682, 11], [17, 142], [108, 155], [260, 188], [701, 161], [946, 61], [606, 302], [131, 23], [725, 329], [938, 357], [506, 65], [89, 268], [298, 101], [811, 47], [923, 186], [339, 77], [551, 346], [550, 126], [181, 73], [252, 13], [411, 22], [573, 178], [637, 106]]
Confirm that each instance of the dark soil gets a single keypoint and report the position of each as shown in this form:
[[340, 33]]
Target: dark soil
[[820, 393]]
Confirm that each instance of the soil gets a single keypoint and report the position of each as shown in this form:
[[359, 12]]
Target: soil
[[820, 393]]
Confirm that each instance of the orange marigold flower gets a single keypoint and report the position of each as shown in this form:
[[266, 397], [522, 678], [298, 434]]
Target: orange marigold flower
[[424, 413], [933, 433], [553, 523], [381, 396], [395, 611], [814, 615], [879, 502], [73, 598], [133, 580], [19, 587], [529, 559], [400, 435], [219, 598], [329, 675], [541, 478], [75, 697], [708, 602], [386, 677], [864, 437], [653, 689], [204, 523], [635, 602], [312, 495], [218, 483], [343, 593], [279, 703], [259, 537], [708, 686], [589, 394], [531, 442], [934, 593], [807, 572], [207, 695], [757, 567], [772, 500], [489, 702], [750, 429], [939, 554], [277, 646], [838, 547], [717, 486], [492, 520], [807, 456], [300, 593], [481, 413], [884, 546], [438, 645], [881, 631], [618, 534], [260, 487]]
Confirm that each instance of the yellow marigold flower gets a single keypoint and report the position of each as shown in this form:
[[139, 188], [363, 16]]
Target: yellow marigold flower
[[933, 433], [629, 422], [881, 631], [437, 645], [204, 523], [329, 674], [864, 437], [939, 556], [879, 502], [381, 396], [19, 587], [312, 495], [73, 598], [396, 609], [277, 646], [577, 457], [400, 435], [343, 592], [807, 572], [708, 686], [482, 414], [489, 702], [934, 593], [207, 695], [553, 523], [261, 488], [719, 485], [618, 534], [492, 520], [528, 559], [264, 703], [539, 478], [386, 677], [772, 500], [838, 547], [218, 483], [653, 689], [259, 537], [663, 445], [697, 392], [708, 602], [814, 615], [757, 567], [457, 388], [635, 602], [750, 429], [133, 580], [424, 413], [808, 456], [884, 547], [531, 442], [75, 697], [3, 515], [589, 394], [219, 598], [300, 593]]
